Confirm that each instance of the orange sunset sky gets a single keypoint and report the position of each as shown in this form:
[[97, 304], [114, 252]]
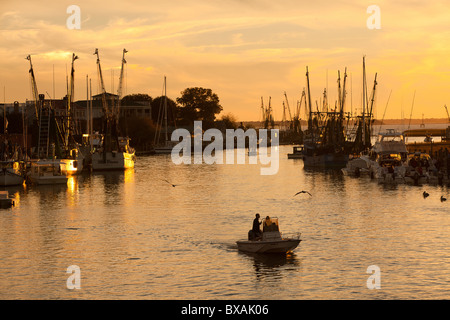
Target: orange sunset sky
[[242, 49]]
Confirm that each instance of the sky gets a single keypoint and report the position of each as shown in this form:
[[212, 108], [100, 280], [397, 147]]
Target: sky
[[243, 50]]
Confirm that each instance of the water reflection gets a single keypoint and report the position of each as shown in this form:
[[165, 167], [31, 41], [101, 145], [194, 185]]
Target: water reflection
[[272, 266], [118, 186], [156, 239]]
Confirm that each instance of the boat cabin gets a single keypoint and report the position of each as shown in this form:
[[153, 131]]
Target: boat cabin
[[390, 159], [390, 148], [271, 229], [46, 169]]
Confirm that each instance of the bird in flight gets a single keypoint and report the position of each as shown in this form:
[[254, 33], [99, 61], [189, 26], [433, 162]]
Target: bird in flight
[[443, 199], [303, 192], [425, 194], [173, 185]]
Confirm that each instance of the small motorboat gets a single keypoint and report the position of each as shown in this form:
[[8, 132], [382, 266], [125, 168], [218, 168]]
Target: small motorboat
[[5, 200], [271, 240], [297, 153]]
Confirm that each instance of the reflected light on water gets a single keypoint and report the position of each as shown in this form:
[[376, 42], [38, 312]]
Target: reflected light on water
[[164, 242]]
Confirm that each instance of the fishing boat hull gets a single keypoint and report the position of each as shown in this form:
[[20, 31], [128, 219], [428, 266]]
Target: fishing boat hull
[[71, 166], [276, 246], [8, 178], [295, 156], [46, 172], [48, 180], [11, 173], [297, 153], [112, 161]]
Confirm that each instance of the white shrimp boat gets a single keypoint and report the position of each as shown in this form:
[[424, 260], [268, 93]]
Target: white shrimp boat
[[112, 161], [122, 159], [271, 241], [46, 172]]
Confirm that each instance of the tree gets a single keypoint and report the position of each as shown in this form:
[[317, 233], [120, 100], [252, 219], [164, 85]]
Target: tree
[[133, 99], [199, 104], [141, 130], [229, 121], [157, 110]]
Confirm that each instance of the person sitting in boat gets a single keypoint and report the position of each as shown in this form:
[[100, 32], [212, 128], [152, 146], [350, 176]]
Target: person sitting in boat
[[256, 229], [269, 226]]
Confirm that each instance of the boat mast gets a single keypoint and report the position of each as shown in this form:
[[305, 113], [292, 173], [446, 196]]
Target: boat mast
[[339, 91], [448, 116], [34, 88], [343, 93], [165, 111], [309, 100], [364, 102], [70, 95], [288, 107], [119, 90], [371, 111], [106, 111], [104, 102]]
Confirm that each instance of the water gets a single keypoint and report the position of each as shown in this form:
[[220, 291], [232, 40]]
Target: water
[[134, 236]]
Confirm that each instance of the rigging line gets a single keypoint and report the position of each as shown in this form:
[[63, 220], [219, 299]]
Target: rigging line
[[385, 108], [410, 116]]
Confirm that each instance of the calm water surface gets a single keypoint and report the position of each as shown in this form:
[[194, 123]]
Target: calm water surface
[[136, 237]]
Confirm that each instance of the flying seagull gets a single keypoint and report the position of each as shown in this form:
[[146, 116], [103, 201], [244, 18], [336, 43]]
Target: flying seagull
[[173, 185], [303, 192], [425, 194], [443, 199]]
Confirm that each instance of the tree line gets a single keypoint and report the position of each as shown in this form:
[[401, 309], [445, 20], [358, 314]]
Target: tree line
[[194, 104]]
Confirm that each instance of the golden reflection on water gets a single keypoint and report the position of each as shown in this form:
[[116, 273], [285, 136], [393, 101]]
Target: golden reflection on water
[[72, 190], [135, 236]]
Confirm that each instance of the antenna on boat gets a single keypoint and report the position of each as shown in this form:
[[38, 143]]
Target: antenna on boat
[[410, 115], [448, 116]]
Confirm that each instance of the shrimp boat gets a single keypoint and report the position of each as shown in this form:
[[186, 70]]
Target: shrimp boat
[[46, 172], [271, 241], [114, 152], [122, 159]]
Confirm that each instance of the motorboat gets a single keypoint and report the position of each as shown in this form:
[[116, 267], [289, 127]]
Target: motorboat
[[421, 169], [357, 167], [46, 172], [297, 153], [388, 157], [271, 240], [5, 200]]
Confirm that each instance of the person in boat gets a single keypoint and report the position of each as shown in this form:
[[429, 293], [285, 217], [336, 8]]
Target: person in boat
[[269, 226], [256, 229]]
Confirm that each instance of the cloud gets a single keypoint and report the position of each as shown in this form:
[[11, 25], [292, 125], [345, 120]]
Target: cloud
[[243, 49]]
